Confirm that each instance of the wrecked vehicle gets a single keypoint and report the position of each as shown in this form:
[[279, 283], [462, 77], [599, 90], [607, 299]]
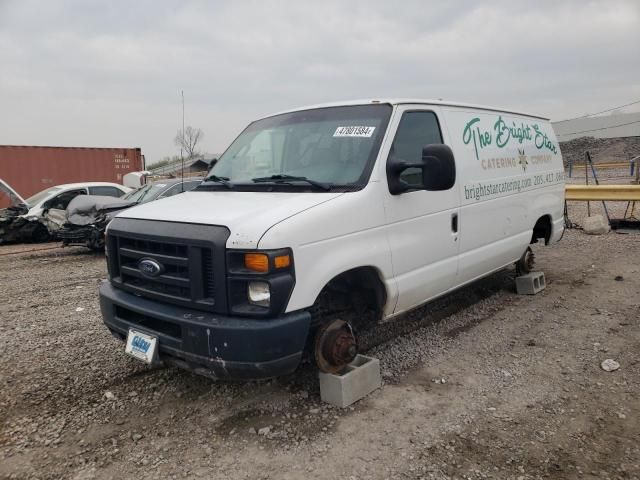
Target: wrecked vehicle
[[84, 221], [32, 225], [15, 223], [86, 218], [319, 222]]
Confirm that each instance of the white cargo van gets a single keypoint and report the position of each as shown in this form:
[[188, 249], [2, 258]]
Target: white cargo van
[[318, 222]]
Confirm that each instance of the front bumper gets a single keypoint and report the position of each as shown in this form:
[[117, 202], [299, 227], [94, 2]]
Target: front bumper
[[81, 234], [210, 344]]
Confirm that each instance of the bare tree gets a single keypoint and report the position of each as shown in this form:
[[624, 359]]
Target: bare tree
[[189, 141]]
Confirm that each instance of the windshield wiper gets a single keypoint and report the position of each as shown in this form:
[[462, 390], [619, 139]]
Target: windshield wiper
[[283, 178], [222, 180]]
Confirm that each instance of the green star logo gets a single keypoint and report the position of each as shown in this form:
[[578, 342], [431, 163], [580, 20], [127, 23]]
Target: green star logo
[[522, 159]]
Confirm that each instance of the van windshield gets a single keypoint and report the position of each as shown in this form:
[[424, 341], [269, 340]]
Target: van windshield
[[334, 146]]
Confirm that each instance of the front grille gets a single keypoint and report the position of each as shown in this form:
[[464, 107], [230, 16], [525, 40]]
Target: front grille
[[207, 270], [73, 234], [188, 264], [174, 282]]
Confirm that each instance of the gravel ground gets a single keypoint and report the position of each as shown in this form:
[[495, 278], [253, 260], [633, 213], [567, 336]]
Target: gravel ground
[[481, 384]]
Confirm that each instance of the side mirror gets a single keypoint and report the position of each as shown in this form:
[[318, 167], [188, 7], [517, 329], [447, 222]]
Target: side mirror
[[438, 168], [439, 172]]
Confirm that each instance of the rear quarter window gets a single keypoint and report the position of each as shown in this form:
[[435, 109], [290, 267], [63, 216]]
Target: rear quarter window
[[105, 191]]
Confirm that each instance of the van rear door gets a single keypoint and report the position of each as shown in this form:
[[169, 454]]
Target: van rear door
[[422, 225]]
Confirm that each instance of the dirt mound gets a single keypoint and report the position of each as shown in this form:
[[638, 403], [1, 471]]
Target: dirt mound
[[603, 150]]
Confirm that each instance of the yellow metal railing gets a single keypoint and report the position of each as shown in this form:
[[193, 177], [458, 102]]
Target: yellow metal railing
[[624, 193], [605, 165]]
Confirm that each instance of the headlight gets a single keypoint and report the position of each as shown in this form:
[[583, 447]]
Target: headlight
[[259, 282], [259, 294]]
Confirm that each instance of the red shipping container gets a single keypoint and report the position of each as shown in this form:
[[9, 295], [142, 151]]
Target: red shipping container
[[30, 170]]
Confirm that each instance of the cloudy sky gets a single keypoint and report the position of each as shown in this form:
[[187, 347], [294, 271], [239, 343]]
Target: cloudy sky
[[88, 73]]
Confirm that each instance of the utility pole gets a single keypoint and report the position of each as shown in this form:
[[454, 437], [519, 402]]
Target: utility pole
[[181, 156]]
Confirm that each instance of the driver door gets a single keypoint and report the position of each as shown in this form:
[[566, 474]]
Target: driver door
[[62, 200], [422, 225]]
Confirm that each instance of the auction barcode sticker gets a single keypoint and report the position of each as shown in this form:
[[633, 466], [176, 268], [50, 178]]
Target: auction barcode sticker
[[355, 131]]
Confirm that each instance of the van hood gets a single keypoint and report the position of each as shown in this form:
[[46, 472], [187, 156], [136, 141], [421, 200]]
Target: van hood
[[248, 215]]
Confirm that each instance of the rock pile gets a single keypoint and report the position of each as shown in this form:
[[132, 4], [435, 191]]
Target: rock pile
[[603, 150]]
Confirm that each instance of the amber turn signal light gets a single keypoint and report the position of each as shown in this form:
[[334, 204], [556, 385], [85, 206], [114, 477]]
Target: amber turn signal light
[[282, 261], [258, 262]]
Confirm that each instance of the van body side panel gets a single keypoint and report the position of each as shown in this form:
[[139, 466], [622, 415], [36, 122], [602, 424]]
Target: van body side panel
[[510, 174], [419, 223], [332, 238]]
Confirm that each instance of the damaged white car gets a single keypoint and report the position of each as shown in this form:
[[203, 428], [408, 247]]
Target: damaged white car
[[30, 220], [86, 217], [16, 225]]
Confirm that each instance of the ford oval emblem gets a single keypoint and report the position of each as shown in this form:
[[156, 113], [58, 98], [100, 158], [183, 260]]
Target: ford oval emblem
[[150, 267]]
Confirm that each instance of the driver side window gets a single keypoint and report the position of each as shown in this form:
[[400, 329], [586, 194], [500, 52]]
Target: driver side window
[[61, 202], [416, 129]]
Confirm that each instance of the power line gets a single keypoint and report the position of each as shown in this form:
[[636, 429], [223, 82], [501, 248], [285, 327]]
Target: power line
[[597, 129], [597, 113]]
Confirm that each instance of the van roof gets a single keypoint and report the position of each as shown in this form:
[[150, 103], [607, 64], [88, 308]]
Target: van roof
[[412, 101]]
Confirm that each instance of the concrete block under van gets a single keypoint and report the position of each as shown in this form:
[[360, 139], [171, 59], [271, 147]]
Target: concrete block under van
[[354, 382], [531, 283]]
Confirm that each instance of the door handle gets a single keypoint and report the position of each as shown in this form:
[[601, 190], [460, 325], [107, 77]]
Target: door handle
[[454, 222]]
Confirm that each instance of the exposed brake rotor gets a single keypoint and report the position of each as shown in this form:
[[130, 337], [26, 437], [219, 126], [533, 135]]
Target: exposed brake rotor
[[335, 346]]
